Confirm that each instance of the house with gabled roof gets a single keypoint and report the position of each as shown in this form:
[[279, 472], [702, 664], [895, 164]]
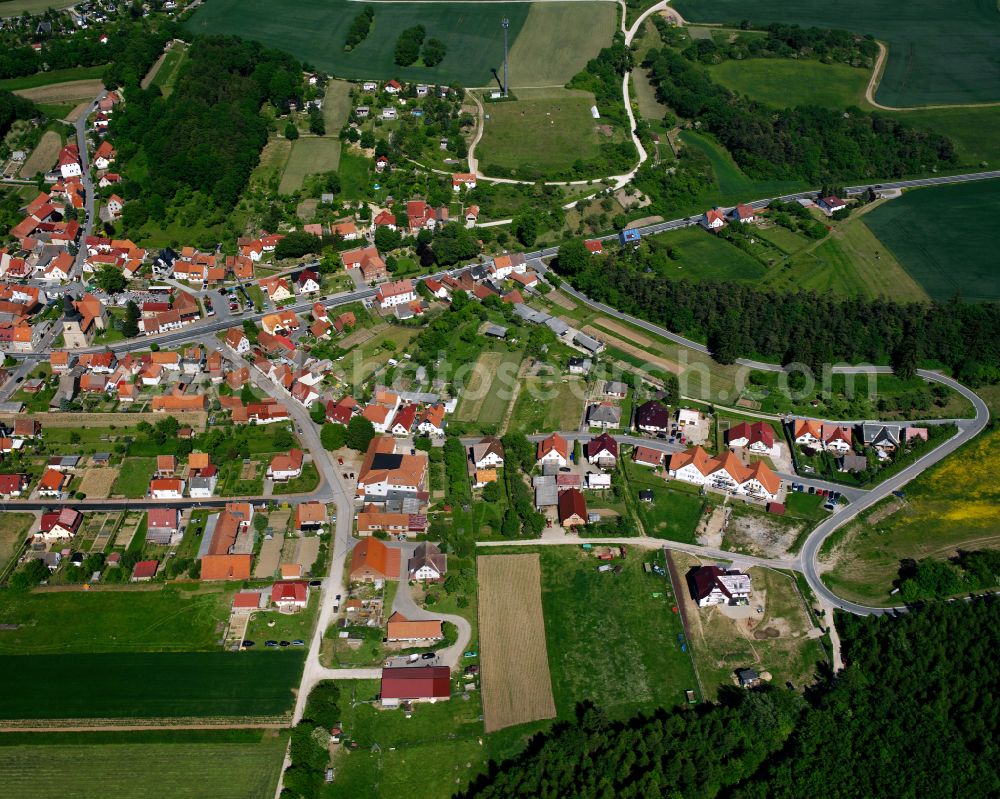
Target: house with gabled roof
[[756, 437], [652, 417], [711, 585], [373, 561], [572, 508], [725, 473], [553, 449], [602, 451]]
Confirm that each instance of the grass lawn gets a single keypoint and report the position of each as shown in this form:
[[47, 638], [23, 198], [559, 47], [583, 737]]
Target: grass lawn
[[673, 513], [542, 131], [786, 82], [704, 256], [14, 528], [287, 626], [315, 31], [932, 59], [972, 130], [151, 685], [937, 235], [113, 620], [850, 262], [355, 176], [49, 78], [610, 638], [557, 40], [156, 770], [166, 76], [432, 754], [949, 507], [485, 403], [310, 156], [721, 645], [547, 404], [133, 477], [307, 481]]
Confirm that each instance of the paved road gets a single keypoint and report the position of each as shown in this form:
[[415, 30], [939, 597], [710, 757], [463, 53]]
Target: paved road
[[88, 185]]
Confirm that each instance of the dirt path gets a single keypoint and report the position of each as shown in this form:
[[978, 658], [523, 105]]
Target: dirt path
[[631, 349], [151, 75], [876, 78]]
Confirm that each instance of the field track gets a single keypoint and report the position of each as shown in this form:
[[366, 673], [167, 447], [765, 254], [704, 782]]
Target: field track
[[517, 687]]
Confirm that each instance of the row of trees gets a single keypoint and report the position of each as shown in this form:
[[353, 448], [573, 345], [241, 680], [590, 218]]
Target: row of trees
[[207, 136], [911, 715], [802, 326], [938, 579], [360, 27], [806, 143]]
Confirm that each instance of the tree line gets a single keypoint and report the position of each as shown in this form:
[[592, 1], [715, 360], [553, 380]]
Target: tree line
[[13, 108], [206, 137], [912, 714], [807, 143], [805, 327]]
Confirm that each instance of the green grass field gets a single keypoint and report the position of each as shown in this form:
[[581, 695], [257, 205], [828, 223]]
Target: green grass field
[[139, 770], [150, 685], [309, 156], [112, 621], [850, 262], [431, 754], [949, 507], [315, 31], [490, 404], [14, 528], [557, 40], [545, 405], [940, 237], [933, 58], [704, 256], [609, 638], [549, 129], [49, 78], [674, 511], [133, 477], [166, 76], [784, 83]]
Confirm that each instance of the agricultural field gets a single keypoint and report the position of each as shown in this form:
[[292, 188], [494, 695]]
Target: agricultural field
[[14, 528], [57, 622], [315, 31], [143, 685], [949, 507], [547, 404], [309, 156], [51, 77], [785, 82], [781, 641], [171, 770], [701, 255], [43, 156], [612, 638], [69, 92], [557, 40], [433, 753], [515, 663], [544, 130], [933, 59], [937, 236], [487, 396]]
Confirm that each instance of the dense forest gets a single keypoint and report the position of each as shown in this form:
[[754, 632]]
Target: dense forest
[[912, 715], [738, 320], [931, 578], [808, 143], [130, 52], [13, 108], [206, 137]]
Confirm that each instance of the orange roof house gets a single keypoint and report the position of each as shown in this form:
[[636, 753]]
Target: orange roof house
[[372, 560], [400, 628]]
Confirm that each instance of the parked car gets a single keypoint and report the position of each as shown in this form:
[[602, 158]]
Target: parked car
[[248, 644], [271, 644], [284, 643], [428, 656], [298, 642]]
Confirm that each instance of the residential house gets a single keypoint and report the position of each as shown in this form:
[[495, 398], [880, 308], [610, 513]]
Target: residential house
[[602, 451], [653, 418], [594, 246], [711, 585], [144, 571], [431, 421], [309, 516], [59, 525], [307, 282], [553, 450], [743, 213], [290, 596], [572, 508], [286, 466], [52, 483], [383, 470], [163, 526], [831, 204], [713, 219], [614, 388], [373, 561], [400, 628], [604, 415], [884, 438], [463, 180], [725, 473], [647, 456], [487, 454], [399, 292], [166, 488], [104, 155], [756, 437], [13, 485], [229, 555]]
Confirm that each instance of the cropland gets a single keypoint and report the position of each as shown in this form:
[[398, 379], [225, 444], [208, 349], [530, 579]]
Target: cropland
[[938, 236], [934, 58]]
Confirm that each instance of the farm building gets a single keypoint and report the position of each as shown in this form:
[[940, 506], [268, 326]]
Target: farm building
[[373, 561], [422, 684], [400, 628]]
